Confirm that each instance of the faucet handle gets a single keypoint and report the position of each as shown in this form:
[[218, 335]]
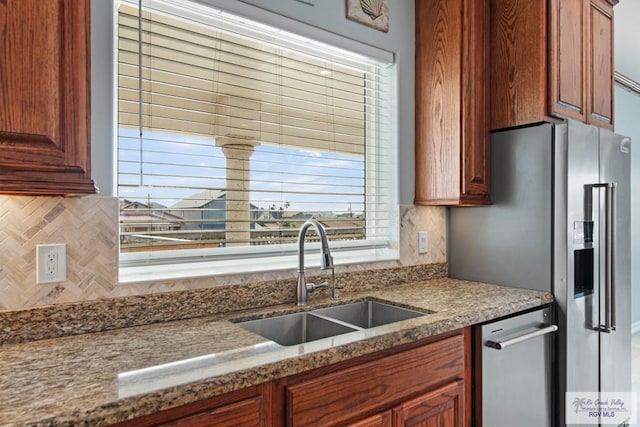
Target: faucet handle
[[312, 286]]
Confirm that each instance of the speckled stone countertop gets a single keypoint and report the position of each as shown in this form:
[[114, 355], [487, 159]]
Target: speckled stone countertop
[[111, 376]]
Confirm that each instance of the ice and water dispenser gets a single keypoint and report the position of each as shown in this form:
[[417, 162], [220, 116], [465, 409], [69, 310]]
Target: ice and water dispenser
[[583, 254]]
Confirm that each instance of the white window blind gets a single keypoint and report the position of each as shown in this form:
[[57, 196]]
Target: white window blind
[[231, 134]]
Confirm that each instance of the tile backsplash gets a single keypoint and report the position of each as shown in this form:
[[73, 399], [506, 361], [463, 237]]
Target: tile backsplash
[[89, 227]]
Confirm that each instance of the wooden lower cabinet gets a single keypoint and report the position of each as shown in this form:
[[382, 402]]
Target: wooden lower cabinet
[[247, 408], [378, 420], [246, 413], [419, 384], [442, 407]]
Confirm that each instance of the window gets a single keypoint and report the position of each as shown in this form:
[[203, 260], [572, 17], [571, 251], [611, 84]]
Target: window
[[231, 134]]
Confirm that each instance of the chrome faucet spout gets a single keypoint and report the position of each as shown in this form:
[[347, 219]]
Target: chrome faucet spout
[[302, 287]]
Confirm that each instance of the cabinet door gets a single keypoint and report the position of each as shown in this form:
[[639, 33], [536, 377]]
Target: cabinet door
[[601, 63], [475, 103], [568, 35], [518, 62], [378, 420], [438, 101], [443, 407], [452, 102], [44, 97]]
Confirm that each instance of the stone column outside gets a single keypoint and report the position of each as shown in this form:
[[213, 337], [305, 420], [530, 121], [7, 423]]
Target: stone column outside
[[237, 150]]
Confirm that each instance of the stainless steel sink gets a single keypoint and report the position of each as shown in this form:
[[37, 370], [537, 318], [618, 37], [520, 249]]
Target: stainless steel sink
[[368, 314], [296, 328]]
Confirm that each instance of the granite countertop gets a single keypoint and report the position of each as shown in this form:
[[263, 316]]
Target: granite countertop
[[107, 377]]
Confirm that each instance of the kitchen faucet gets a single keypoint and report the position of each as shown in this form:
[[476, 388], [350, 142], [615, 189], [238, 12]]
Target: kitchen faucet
[[303, 288]]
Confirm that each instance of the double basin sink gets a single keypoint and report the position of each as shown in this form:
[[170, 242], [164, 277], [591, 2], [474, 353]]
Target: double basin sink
[[298, 328]]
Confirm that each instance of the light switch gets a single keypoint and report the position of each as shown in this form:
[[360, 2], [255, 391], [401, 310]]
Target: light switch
[[423, 242]]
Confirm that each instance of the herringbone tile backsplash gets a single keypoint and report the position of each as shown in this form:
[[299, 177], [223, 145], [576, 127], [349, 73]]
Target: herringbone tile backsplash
[[414, 219], [89, 227]]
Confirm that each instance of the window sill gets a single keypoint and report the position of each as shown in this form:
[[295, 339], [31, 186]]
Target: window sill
[[134, 274]]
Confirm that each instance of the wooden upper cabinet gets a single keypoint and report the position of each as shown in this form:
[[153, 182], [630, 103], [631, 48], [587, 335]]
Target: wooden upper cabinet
[[568, 78], [551, 59], [45, 97], [518, 62], [452, 151], [601, 64]]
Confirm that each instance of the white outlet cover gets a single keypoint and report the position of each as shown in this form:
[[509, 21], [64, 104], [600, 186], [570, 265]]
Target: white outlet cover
[[51, 261]]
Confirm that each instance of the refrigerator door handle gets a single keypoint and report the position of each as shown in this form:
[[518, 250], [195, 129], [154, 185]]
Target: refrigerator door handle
[[610, 278], [499, 345], [609, 255]]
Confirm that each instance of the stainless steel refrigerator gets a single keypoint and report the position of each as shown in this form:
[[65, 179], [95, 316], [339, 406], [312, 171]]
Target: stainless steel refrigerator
[[559, 222]]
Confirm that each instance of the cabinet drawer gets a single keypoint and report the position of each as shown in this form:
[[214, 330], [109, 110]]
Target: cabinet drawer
[[244, 413], [248, 407], [336, 397]]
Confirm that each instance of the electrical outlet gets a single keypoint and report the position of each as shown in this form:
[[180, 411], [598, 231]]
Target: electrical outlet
[[52, 263], [423, 242]]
